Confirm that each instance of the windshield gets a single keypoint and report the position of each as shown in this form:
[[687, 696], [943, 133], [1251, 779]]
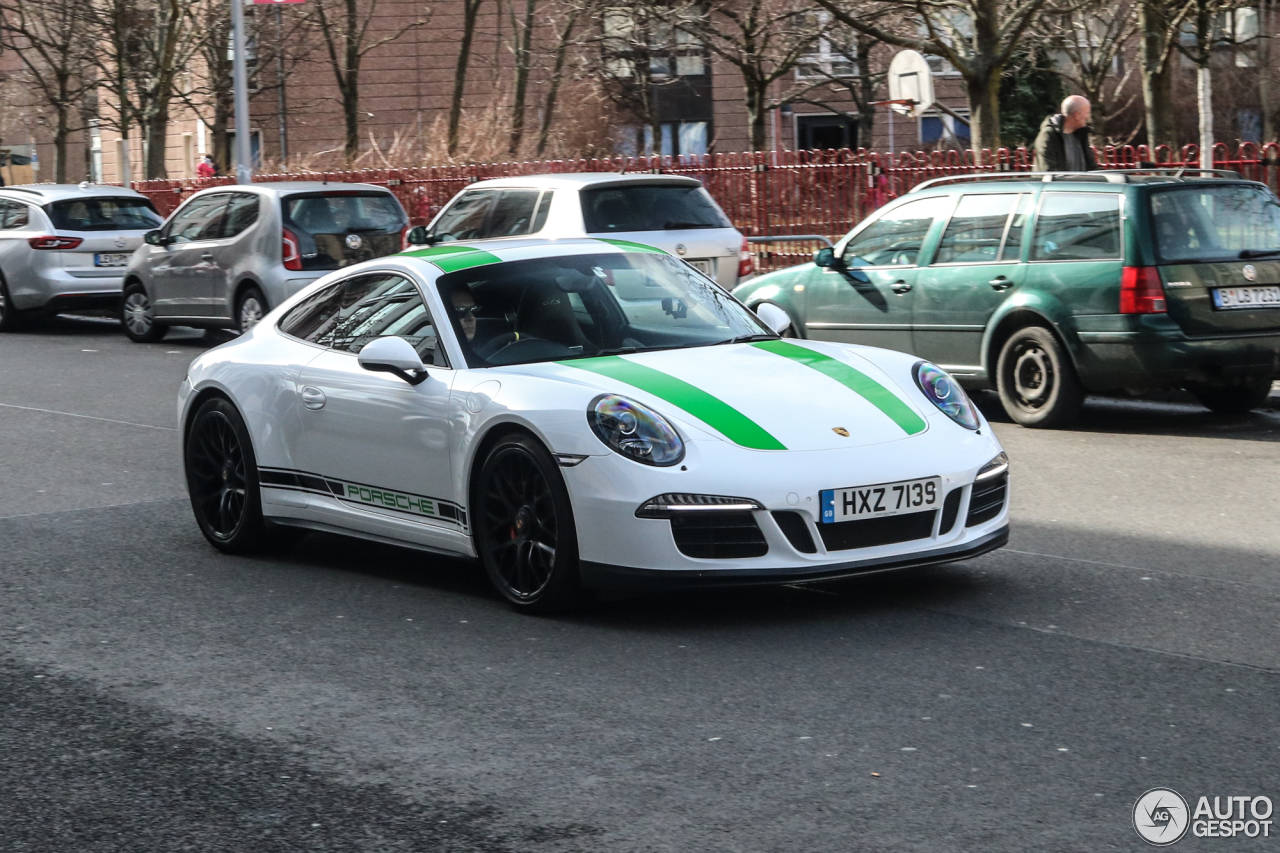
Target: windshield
[[1204, 223], [103, 214], [648, 207], [337, 229], [554, 309]]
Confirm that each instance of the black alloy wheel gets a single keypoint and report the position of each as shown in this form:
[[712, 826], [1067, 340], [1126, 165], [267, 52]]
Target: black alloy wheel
[[222, 478], [10, 318], [1037, 381], [138, 317], [524, 527]]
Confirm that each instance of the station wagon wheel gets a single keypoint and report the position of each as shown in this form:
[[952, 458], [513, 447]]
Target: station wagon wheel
[[250, 310], [524, 527], [10, 317], [1037, 382], [222, 478], [138, 317]]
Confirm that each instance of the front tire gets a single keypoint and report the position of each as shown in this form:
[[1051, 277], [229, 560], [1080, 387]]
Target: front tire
[[11, 319], [250, 309], [1234, 399], [524, 528], [222, 478], [138, 317], [1037, 382]]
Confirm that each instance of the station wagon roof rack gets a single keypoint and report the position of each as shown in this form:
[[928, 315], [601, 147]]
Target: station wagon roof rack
[[1110, 176]]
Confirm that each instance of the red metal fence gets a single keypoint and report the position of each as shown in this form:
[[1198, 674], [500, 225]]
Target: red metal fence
[[764, 193]]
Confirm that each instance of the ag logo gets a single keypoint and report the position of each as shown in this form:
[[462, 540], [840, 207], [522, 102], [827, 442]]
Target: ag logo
[[354, 241], [1250, 272], [1160, 816]]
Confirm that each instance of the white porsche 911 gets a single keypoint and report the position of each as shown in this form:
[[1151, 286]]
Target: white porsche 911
[[580, 415]]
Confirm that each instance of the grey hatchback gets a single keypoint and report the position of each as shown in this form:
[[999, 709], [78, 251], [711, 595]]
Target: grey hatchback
[[230, 254]]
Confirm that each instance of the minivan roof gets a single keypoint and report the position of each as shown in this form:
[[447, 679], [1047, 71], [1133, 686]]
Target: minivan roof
[[581, 180], [280, 188], [1090, 179], [60, 192]]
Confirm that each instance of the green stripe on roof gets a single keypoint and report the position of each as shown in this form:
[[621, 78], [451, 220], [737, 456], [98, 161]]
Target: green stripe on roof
[[635, 247], [452, 258], [712, 411], [860, 383]]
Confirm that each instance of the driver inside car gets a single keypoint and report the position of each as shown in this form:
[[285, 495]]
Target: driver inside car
[[464, 306]]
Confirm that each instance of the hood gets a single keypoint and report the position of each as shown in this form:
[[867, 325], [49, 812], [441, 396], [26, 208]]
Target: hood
[[771, 395]]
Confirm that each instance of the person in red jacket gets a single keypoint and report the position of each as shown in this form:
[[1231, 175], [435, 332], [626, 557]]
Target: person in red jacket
[[206, 169]]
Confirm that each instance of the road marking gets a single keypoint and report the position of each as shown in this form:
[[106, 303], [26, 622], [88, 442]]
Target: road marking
[[86, 417]]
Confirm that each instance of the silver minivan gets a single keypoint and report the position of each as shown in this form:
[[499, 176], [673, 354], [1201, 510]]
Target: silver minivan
[[64, 247], [230, 254], [670, 212]]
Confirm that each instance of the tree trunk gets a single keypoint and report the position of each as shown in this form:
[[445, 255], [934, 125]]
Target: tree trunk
[[471, 11], [1157, 75], [553, 91], [984, 111], [1265, 71], [60, 134], [157, 138], [351, 114], [1204, 95], [757, 113], [524, 40], [222, 109]]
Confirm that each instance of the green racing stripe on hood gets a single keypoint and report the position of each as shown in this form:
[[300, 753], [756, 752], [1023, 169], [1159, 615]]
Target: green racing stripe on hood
[[454, 258], [712, 411], [872, 391]]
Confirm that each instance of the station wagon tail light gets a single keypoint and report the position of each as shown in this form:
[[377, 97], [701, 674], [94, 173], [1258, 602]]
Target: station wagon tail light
[[1141, 291], [55, 242], [746, 263], [289, 252]]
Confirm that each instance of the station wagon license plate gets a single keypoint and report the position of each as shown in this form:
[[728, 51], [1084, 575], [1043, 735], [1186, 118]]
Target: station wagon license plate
[[111, 259], [859, 502], [702, 265], [1246, 297]]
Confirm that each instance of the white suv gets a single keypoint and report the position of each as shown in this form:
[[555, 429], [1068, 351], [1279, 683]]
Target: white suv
[[65, 247], [670, 212]]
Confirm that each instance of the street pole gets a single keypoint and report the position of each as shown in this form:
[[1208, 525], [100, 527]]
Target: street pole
[[281, 104], [240, 75]]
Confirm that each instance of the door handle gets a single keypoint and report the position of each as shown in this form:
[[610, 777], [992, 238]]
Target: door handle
[[207, 256], [1000, 283], [901, 286], [313, 398]]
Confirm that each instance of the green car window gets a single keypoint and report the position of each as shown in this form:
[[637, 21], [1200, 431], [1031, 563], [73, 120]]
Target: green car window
[[976, 229], [896, 237], [1077, 227]]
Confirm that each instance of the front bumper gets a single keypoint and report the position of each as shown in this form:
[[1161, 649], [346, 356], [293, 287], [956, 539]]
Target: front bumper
[[622, 578]]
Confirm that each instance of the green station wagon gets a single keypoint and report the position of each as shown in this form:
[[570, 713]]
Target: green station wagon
[[1051, 286]]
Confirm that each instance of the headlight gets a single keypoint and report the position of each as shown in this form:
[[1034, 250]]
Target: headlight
[[637, 432], [945, 393]]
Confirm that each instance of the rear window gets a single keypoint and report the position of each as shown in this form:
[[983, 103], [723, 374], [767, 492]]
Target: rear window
[[1204, 223], [641, 207], [103, 214], [335, 230]]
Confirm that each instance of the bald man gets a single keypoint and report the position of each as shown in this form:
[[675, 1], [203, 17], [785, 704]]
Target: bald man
[[1063, 142]]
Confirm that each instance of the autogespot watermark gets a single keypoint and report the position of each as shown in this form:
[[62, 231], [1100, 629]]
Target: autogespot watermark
[[1162, 817]]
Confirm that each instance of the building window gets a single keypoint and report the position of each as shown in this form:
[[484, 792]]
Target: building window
[[825, 132], [632, 37], [834, 54], [943, 129], [679, 138]]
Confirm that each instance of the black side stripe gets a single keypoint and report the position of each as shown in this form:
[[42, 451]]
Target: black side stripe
[[279, 478]]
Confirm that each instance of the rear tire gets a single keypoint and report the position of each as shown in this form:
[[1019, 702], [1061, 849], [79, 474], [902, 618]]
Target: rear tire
[[222, 479], [11, 319], [524, 529], [1234, 399], [138, 317], [251, 307], [1037, 382]]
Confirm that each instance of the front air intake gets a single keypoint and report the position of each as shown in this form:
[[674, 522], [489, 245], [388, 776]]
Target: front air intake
[[718, 535]]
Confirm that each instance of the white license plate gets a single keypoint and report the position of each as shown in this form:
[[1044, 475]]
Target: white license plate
[[703, 265], [111, 259], [859, 502], [1246, 297]]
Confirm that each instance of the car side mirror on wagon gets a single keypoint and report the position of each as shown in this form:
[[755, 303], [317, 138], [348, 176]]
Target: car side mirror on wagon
[[419, 236], [155, 238], [826, 257], [396, 356]]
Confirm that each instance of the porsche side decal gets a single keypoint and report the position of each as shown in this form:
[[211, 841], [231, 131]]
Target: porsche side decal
[[635, 247], [712, 411], [369, 496], [858, 382], [452, 258]]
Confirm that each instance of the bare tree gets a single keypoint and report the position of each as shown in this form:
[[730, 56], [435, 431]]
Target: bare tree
[[470, 15], [978, 38], [847, 65], [1213, 24], [118, 29], [563, 41], [343, 26], [49, 39], [167, 51], [1088, 45], [1159, 25]]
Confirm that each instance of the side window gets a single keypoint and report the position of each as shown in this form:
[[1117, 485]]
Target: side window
[[512, 214], [1018, 229], [13, 214], [464, 219], [976, 230], [1077, 227], [544, 208], [313, 318], [896, 237], [241, 214], [382, 305], [199, 219]]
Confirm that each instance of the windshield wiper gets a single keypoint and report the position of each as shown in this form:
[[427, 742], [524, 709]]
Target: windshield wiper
[[1258, 253]]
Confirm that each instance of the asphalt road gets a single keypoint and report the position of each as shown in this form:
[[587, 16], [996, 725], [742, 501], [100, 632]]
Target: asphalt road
[[156, 695]]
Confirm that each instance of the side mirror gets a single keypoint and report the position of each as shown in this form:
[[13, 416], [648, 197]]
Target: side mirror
[[396, 356], [773, 317], [825, 257], [418, 236], [155, 238]]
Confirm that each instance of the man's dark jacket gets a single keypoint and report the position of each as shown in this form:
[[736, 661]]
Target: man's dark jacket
[[1051, 153]]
